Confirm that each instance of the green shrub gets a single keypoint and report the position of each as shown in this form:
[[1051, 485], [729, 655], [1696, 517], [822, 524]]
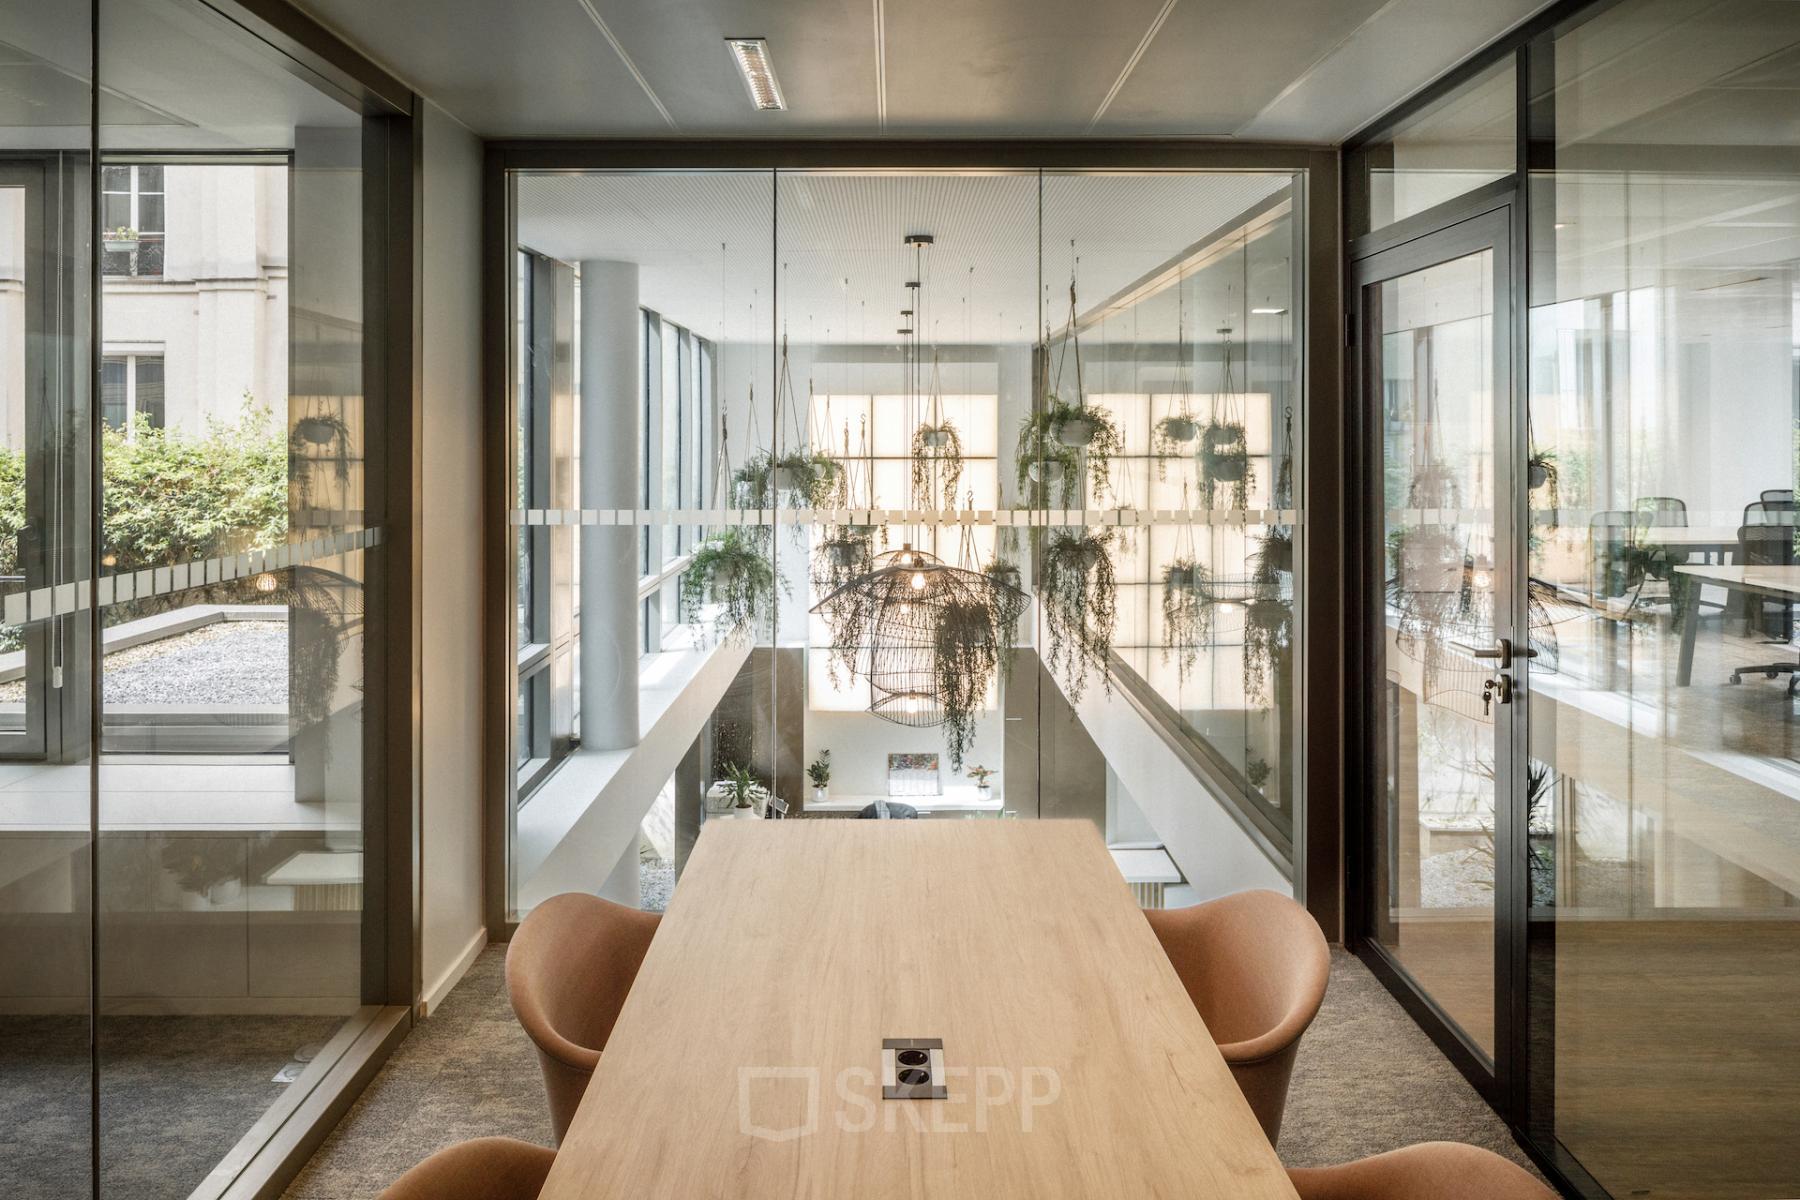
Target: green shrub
[[172, 496]]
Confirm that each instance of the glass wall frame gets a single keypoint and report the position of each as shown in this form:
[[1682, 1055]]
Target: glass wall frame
[[121, 897], [1651, 299], [1314, 847]]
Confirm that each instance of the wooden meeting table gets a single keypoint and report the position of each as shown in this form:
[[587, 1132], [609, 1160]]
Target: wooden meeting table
[[748, 1061]]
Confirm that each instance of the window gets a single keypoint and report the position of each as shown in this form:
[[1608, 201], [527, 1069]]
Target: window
[[1458, 143], [132, 219], [131, 392]]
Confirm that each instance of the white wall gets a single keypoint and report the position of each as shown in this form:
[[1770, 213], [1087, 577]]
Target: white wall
[[451, 819], [1209, 846]]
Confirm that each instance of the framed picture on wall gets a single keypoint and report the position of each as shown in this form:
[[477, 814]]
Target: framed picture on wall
[[913, 775]]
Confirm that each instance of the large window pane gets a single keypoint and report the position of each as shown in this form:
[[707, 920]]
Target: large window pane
[[877, 397], [1663, 406], [1447, 149], [232, 683]]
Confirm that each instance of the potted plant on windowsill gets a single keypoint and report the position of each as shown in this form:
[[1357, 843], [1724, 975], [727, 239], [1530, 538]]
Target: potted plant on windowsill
[[748, 796], [122, 240], [981, 775], [819, 773]]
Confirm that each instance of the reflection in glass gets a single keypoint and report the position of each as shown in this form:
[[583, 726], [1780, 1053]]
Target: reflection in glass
[[1663, 407], [899, 388], [1447, 149], [1436, 855]]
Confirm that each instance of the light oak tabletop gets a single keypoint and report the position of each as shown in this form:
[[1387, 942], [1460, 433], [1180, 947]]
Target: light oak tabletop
[[747, 1059]]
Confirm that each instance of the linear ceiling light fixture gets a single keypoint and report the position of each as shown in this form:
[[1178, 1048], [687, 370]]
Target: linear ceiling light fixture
[[752, 58]]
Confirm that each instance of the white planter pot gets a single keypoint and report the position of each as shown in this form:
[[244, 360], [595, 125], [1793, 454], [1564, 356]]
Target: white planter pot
[[119, 245], [935, 439], [1076, 432], [1046, 472], [820, 795], [985, 791], [1180, 429]]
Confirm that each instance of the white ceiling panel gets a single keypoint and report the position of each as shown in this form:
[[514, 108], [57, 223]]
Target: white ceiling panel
[[1289, 70], [1213, 67]]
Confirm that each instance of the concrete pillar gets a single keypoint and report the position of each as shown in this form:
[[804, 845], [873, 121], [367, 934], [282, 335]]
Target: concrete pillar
[[611, 477]]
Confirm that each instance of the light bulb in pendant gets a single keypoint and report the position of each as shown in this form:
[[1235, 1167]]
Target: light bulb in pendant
[[918, 581]]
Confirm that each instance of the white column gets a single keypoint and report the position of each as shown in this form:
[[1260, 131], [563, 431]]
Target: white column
[[611, 477]]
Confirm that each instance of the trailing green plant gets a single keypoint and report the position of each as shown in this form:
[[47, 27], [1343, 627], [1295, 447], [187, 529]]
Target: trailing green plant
[[1079, 591], [731, 569], [966, 654], [1541, 474], [1225, 466], [937, 465], [1046, 467], [1187, 607], [818, 771], [799, 479], [1072, 435], [1009, 605], [1173, 438], [847, 552]]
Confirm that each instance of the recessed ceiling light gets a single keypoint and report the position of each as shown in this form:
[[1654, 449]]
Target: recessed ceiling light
[[1267, 312], [752, 57]]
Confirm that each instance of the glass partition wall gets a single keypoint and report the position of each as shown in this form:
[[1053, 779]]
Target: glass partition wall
[[1583, 844], [971, 494], [188, 532]]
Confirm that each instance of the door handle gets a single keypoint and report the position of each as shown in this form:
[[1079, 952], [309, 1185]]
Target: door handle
[[1503, 651]]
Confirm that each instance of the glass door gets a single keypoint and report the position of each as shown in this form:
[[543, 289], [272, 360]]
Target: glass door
[[1444, 648], [28, 444]]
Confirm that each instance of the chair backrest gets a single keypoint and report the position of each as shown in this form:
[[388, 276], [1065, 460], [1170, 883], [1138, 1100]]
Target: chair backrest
[[489, 1168], [1428, 1171], [1660, 512], [1780, 495], [568, 969], [889, 810], [1766, 545], [1256, 966], [1770, 512]]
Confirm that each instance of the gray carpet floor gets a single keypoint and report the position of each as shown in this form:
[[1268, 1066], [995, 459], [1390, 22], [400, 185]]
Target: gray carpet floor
[[1367, 1080], [184, 1088]]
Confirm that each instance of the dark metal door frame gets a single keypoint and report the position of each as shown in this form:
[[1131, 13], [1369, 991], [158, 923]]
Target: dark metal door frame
[[1488, 225]]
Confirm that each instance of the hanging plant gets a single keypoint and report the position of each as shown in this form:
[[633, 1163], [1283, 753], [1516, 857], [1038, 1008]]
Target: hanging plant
[[1268, 635], [1009, 605], [1187, 607], [1079, 593], [1225, 463], [937, 465], [967, 652], [805, 480], [1173, 437], [750, 482], [1541, 475], [1046, 466], [847, 552], [731, 570]]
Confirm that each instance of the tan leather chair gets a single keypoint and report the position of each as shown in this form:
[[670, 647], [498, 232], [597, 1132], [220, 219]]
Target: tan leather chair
[[1429, 1171], [568, 969], [490, 1168], [1256, 966]]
